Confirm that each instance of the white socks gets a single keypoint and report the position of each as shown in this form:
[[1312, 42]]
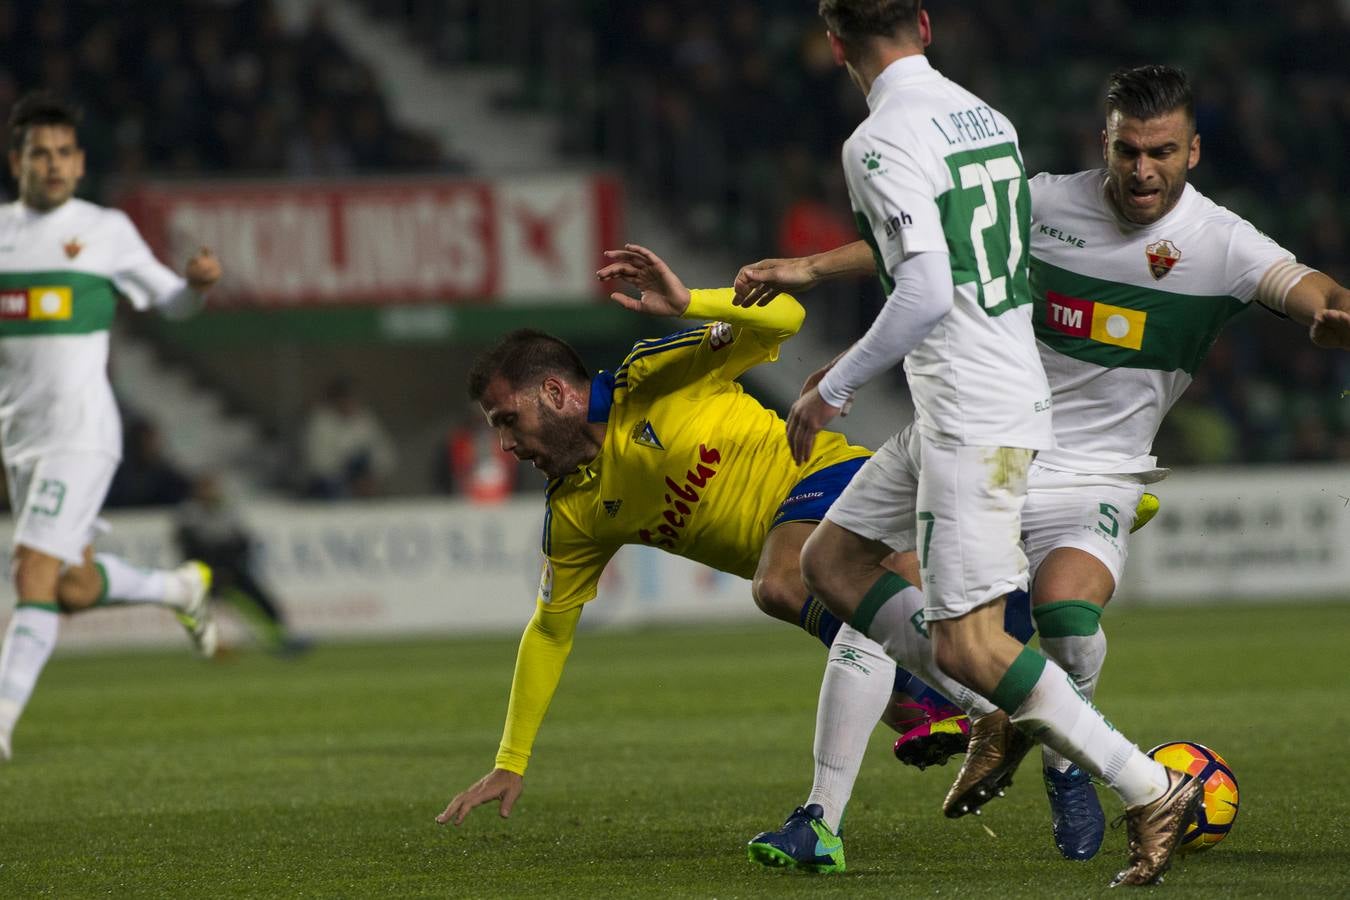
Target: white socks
[[898, 626], [1055, 713], [28, 644], [1082, 657], [131, 584], [853, 695]]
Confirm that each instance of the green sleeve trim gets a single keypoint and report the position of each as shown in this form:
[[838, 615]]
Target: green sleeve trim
[[886, 587], [48, 605], [103, 580], [1018, 681], [1067, 618]]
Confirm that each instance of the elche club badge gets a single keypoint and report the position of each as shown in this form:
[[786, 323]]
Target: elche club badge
[[1162, 256]]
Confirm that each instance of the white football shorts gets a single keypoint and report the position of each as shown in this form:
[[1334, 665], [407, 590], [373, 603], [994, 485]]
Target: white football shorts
[[959, 507], [57, 498], [1092, 513]]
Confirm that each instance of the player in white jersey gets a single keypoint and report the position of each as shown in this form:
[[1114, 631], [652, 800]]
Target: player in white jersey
[[1119, 350], [943, 202], [63, 262]]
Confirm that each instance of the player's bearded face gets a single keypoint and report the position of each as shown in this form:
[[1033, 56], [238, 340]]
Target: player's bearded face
[[1147, 161], [48, 167], [564, 442]]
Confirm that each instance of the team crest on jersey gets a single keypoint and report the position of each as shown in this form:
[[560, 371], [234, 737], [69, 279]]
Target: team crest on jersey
[[644, 434], [720, 335], [1162, 256], [612, 507], [72, 248]]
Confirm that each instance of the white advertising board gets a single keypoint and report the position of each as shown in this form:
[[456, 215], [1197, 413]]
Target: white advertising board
[[403, 568]]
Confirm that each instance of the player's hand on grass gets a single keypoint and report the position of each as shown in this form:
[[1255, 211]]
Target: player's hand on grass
[[203, 270], [499, 784], [662, 293], [808, 416], [1331, 329], [759, 282]]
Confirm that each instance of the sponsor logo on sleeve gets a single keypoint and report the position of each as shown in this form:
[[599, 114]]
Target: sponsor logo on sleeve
[[720, 335], [895, 223], [546, 583]]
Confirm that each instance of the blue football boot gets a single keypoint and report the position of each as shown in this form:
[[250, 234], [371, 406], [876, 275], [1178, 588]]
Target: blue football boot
[[1075, 813], [804, 842]]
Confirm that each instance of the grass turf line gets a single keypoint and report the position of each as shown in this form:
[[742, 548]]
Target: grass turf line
[[156, 776]]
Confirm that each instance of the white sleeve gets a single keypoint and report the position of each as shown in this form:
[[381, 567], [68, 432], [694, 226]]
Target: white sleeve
[[1251, 257], [895, 201], [141, 278], [921, 298]]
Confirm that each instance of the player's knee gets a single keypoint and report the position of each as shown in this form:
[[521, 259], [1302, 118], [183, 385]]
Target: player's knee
[[35, 575], [780, 595], [79, 587]]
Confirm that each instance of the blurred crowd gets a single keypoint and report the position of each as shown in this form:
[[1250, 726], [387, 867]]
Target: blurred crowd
[[210, 86], [731, 115]]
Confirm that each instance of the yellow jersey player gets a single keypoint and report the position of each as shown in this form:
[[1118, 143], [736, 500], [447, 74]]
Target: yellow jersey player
[[667, 451]]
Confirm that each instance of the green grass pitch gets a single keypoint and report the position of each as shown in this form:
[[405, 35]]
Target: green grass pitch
[[154, 775]]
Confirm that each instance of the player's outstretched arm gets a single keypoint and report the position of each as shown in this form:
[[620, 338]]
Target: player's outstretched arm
[[499, 784], [543, 652], [759, 282], [661, 291], [1318, 302]]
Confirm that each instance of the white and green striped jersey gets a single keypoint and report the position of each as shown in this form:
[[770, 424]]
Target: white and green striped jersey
[[1125, 313], [60, 274], [935, 168]]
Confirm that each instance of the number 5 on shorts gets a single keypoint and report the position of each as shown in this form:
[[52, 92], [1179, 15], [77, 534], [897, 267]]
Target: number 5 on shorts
[[926, 523]]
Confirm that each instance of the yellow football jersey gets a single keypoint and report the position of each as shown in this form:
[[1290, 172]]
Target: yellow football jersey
[[690, 462]]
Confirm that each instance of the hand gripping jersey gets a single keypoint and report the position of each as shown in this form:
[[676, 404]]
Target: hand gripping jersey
[[1126, 313], [933, 168], [690, 463], [60, 274]]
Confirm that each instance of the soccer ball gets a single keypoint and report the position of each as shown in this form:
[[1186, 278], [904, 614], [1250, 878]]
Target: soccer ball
[[1220, 808]]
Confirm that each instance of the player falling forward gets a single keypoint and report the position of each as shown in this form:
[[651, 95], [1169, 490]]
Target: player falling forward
[[666, 451], [937, 183], [1119, 350], [63, 262]]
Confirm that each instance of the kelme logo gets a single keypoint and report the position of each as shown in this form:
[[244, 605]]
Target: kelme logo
[[872, 159]]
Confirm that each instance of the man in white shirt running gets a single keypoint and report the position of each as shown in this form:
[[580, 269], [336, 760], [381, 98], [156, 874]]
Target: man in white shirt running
[[936, 180], [1133, 273], [63, 263]]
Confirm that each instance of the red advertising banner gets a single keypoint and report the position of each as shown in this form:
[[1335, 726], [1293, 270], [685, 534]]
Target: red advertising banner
[[528, 240]]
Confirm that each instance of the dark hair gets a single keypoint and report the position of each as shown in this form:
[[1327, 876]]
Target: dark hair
[[39, 108], [854, 20], [1147, 92], [522, 356]]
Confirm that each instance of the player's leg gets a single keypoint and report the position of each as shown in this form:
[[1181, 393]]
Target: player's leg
[[777, 584], [1075, 528], [43, 539], [843, 564], [975, 500]]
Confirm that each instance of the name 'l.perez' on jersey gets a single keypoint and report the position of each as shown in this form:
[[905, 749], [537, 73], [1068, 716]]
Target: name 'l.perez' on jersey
[[60, 274], [1125, 313], [935, 169]]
